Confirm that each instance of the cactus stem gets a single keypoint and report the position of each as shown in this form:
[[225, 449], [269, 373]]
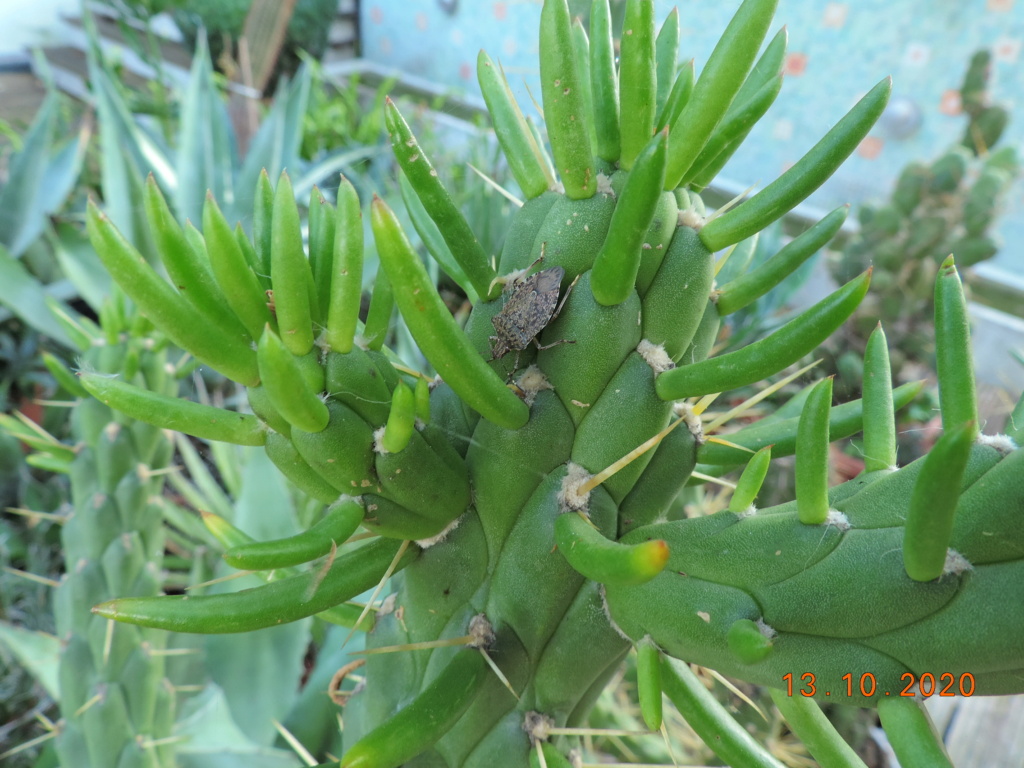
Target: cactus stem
[[376, 590], [636, 453]]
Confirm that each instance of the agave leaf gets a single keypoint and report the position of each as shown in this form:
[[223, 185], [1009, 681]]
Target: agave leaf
[[37, 652], [212, 738], [39, 180], [24, 295], [81, 266], [206, 155], [260, 671], [276, 144]]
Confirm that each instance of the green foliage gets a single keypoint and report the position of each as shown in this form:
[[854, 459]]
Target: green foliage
[[525, 507]]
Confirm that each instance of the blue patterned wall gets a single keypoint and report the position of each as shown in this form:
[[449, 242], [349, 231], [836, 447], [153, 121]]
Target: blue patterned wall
[[837, 51]]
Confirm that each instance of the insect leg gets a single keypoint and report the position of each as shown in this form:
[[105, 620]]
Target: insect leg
[[554, 343], [564, 298]]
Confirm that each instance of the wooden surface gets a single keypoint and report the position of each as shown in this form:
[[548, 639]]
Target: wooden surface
[[982, 732], [21, 93]]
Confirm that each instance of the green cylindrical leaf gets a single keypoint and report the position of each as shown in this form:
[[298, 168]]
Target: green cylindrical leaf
[[747, 288], [749, 484], [716, 87], [167, 309], [564, 107], [604, 82], [239, 285], [378, 316], [954, 363], [289, 271], [933, 503], [282, 378], [188, 268], [454, 228], [401, 421], [425, 719], [322, 222], [615, 267], [912, 734], [510, 127], [262, 224], [581, 46], [812, 441], [879, 412], [747, 642], [805, 718], [347, 264], [176, 413], [806, 175], [270, 605], [681, 91], [648, 683], [769, 355], [435, 330], [710, 719], [603, 560], [638, 88], [666, 56], [340, 522], [422, 401]]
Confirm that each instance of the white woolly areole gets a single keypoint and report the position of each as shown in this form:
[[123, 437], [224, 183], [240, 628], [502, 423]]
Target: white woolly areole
[[766, 630], [604, 185], [537, 726], [837, 520], [388, 605], [655, 356], [748, 512], [956, 563], [575, 758], [378, 442], [690, 218], [531, 382], [570, 498], [684, 411], [481, 631], [428, 543], [1002, 443]]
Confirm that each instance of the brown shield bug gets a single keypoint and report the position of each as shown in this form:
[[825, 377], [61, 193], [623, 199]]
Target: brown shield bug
[[531, 303]]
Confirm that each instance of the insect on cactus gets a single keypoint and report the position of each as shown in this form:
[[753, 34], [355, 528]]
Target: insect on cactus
[[529, 308], [524, 526]]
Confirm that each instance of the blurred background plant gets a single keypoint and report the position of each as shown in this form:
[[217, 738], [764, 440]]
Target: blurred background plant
[[947, 206]]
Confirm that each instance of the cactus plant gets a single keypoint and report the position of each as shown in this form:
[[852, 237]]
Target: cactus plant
[[518, 500], [946, 207], [117, 707]]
